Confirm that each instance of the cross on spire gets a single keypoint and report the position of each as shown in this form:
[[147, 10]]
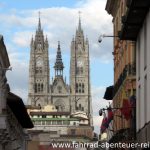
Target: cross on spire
[[79, 13], [39, 14]]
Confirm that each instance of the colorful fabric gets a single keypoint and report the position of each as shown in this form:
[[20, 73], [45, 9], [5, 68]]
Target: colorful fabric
[[133, 101], [104, 124], [110, 115], [126, 109]]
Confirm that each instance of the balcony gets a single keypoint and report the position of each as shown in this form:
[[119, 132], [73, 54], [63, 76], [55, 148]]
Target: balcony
[[133, 19], [129, 70], [123, 135]]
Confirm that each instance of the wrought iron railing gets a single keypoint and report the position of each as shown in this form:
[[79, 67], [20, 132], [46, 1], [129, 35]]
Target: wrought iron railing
[[129, 70]]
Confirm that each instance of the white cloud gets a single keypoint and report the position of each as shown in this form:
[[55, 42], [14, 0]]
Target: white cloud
[[98, 103], [97, 99], [18, 77], [22, 39], [97, 120], [59, 23]]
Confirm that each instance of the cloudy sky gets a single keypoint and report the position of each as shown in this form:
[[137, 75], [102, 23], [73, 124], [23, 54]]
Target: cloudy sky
[[59, 19]]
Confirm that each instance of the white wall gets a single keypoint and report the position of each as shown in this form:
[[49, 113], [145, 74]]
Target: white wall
[[143, 74]]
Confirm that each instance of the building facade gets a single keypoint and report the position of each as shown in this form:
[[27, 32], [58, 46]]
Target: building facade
[[139, 32], [143, 81], [69, 110], [77, 95], [12, 110], [124, 75]]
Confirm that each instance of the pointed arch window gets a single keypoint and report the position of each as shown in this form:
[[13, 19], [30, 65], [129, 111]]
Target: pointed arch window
[[42, 87], [77, 87], [35, 88], [80, 106], [38, 87], [82, 87]]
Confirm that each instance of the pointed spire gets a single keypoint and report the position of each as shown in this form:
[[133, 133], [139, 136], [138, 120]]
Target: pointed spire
[[73, 38], [86, 39], [32, 38], [58, 47], [39, 24], [79, 25], [58, 64], [46, 39]]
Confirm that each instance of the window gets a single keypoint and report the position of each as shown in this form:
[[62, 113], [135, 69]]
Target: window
[[59, 122], [65, 122], [42, 87], [79, 88], [76, 87], [35, 88], [73, 131], [79, 106], [38, 70], [43, 122], [38, 87], [82, 87]]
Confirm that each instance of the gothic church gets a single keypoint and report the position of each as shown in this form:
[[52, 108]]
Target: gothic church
[[71, 98]]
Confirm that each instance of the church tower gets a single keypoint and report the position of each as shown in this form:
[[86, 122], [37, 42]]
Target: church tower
[[38, 69], [80, 74]]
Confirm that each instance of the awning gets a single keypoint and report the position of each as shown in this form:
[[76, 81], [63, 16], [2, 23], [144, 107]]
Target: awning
[[133, 20], [109, 93], [19, 110]]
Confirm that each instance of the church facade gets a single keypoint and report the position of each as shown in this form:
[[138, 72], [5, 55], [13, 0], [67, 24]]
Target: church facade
[[73, 97], [64, 111]]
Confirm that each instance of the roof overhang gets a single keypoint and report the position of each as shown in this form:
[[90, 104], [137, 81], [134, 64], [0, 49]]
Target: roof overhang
[[111, 6], [18, 108], [133, 20]]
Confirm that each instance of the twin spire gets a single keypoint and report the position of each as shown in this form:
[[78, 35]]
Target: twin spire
[[79, 25], [59, 64]]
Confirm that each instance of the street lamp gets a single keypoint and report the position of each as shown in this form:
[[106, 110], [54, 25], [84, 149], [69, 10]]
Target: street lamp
[[105, 35]]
